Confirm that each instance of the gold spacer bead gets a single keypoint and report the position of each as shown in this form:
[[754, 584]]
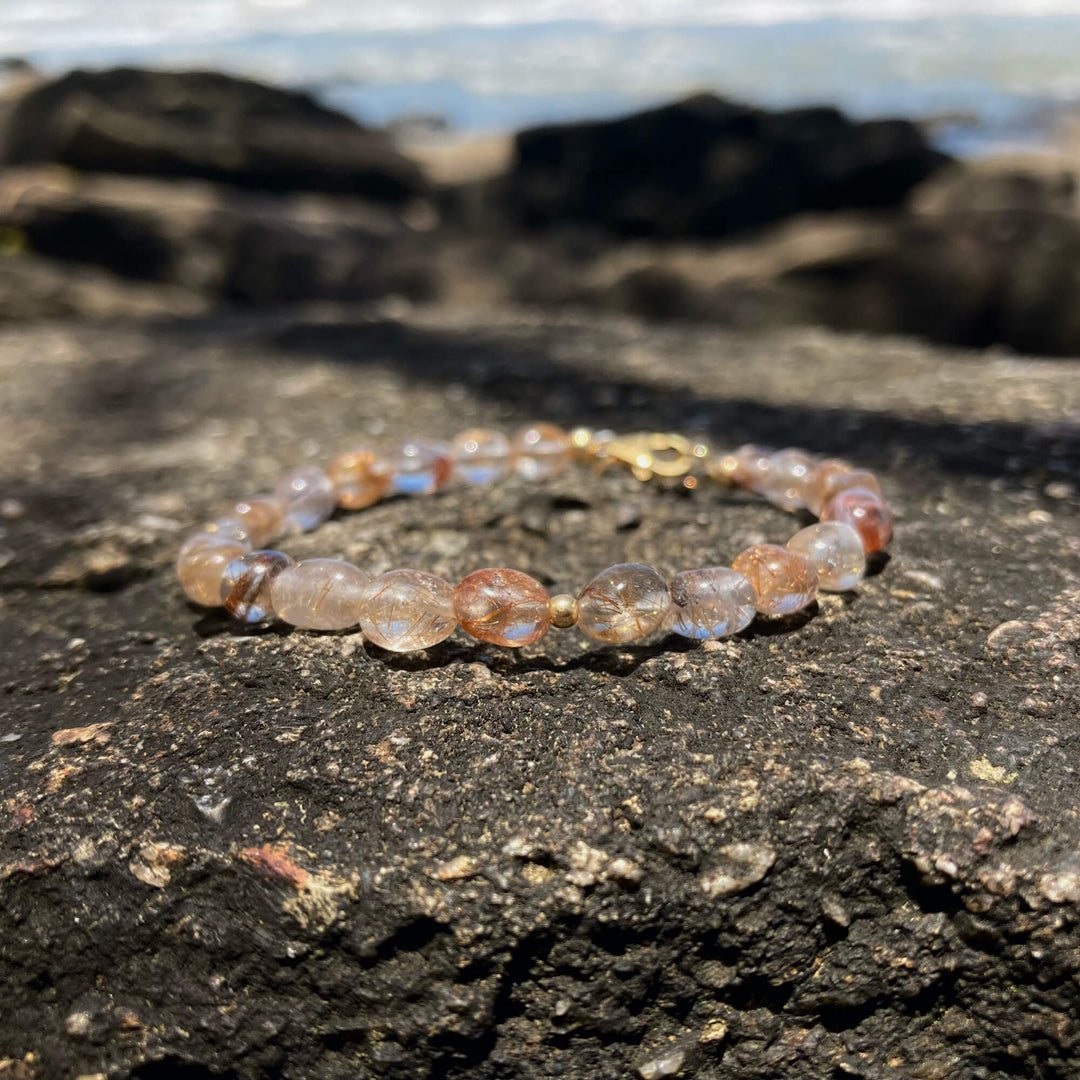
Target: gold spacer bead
[[563, 610]]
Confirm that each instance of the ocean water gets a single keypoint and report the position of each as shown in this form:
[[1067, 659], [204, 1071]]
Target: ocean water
[[1001, 73]]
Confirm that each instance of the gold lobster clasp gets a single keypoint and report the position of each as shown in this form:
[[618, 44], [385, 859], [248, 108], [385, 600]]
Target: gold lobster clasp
[[652, 453]]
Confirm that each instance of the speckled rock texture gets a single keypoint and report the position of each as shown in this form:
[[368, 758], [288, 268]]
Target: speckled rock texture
[[846, 844]]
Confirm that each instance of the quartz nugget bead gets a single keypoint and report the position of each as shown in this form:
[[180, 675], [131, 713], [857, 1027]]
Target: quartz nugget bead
[[408, 609], [201, 565], [710, 603], [623, 603], [747, 467], [245, 585], [838, 481], [319, 594], [783, 580], [480, 456], [835, 551], [309, 498], [540, 451], [823, 476], [865, 511], [261, 516], [786, 481], [417, 467], [503, 607], [357, 482]]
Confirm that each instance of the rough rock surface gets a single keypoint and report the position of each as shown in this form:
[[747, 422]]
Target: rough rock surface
[[706, 167], [201, 124], [844, 845]]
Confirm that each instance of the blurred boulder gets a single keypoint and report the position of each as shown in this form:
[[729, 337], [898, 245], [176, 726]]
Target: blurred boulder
[[215, 241], [201, 125], [1031, 183], [705, 167]]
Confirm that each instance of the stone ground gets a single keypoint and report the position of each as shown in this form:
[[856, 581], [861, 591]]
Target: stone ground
[[843, 845]]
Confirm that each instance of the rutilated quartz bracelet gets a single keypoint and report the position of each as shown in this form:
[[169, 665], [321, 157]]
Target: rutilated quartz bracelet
[[227, 563]]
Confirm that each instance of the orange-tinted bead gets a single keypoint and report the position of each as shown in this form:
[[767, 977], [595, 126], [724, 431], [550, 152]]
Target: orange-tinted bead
[[408, 609], [261, 517], [823, 474], [623, 603], [866, 512], [503, 607], [320, 594], [783, 580], [750, 467], [540, 450], [201, 565], [842, 481], [356, 483]]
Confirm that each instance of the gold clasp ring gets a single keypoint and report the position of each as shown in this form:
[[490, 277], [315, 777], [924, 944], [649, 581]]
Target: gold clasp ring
[[652, 453]]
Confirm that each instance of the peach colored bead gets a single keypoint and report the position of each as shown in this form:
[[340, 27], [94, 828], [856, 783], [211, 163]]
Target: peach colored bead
[[824, 472], [357, 483], [261, 516], [623, 603], [751, 467], [540, 450], [309, 498], [227, 530], [783, 580], [785, 483], [319, 594], [408, 609], [842, 481], [245, 585], [835, 551], [201, 565], [480, 456], [866, 512], [417, 467], [503, 607], [710, 603]]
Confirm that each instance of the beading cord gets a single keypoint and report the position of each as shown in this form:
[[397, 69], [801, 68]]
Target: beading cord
[[227, 564]]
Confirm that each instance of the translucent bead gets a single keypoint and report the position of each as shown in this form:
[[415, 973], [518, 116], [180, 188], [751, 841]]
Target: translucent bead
[[835, 551], [201, 564], [309, 498], [839, 481], [710, 603], [783, 580], [245, 585], [786, 480], [748, 467], [503, 607], [417, 467], [261, 516], [540, 450], [408, 609], [357, 481], [866, 512], [320, 594], [623, 603], [823, 475], [228, 530], [480, 456]]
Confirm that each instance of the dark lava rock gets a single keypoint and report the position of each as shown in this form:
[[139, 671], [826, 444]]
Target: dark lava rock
[[227, 245], [708, 167], [839, 846], [205, 125]]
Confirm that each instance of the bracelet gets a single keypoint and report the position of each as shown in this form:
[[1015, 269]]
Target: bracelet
[[227, 562]]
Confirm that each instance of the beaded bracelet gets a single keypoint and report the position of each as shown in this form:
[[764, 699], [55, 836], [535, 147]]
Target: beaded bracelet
[[403, 610]]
